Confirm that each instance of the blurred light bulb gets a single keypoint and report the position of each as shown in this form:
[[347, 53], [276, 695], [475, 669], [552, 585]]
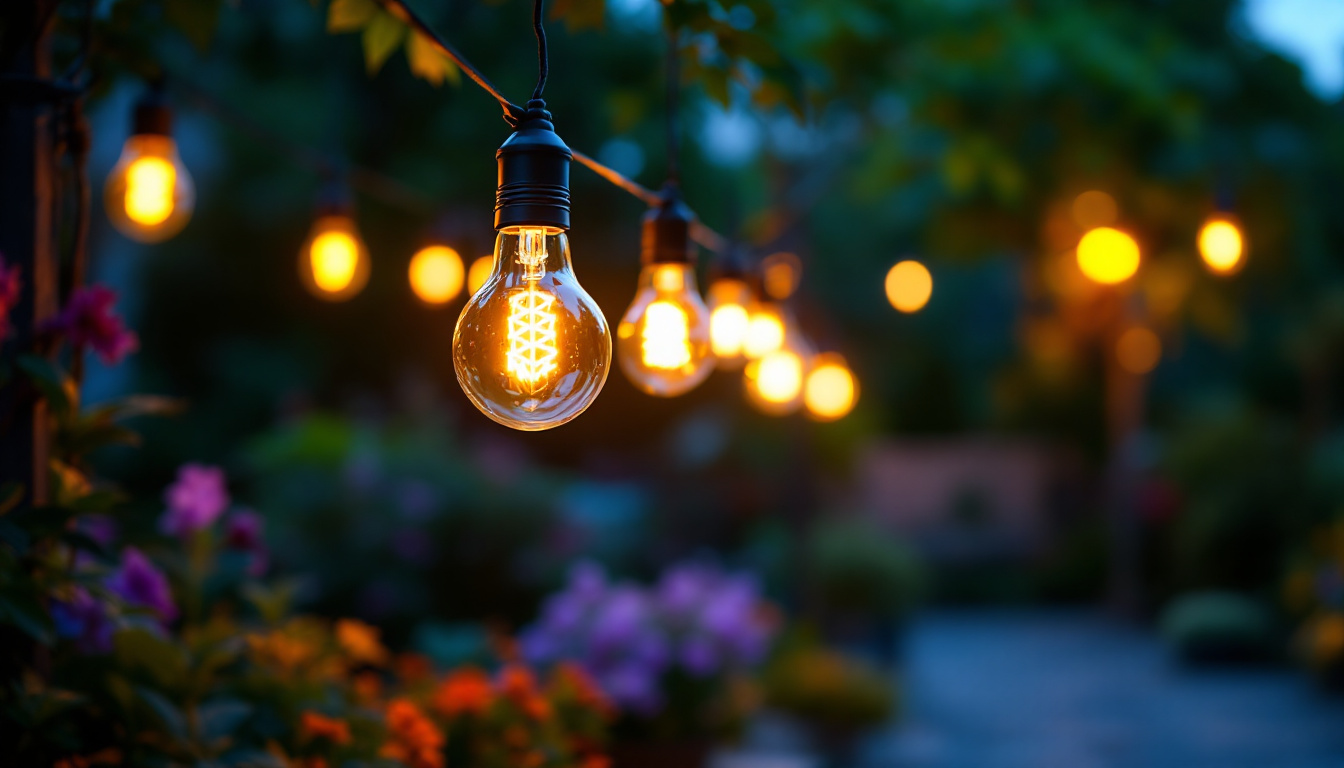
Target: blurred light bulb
[[729, 298], [1221, 245], [830, 391], [663, 340], [436, 274], [909, 286], [1138, 350], [774, 380], [531, 347], [780, 274], [149, 196], [1108, 256], [765, 329], [333, 263], [480, 272], [1094, 209]]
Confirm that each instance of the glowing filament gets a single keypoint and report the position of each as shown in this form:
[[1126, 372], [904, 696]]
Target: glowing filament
[[335, 257], [532, 353], [666, 341], [149, 190]]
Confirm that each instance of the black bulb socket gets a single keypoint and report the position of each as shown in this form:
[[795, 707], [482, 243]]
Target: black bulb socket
[[533, 188], [152, 115], [667, 230], [731, 265]]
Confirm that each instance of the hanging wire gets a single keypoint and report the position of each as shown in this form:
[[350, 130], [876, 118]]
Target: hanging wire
[[543, 61], [673, 97]]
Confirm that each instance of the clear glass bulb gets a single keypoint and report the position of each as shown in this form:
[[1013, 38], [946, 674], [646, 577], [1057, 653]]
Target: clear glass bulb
[[333, 262], [532, 348], [663, 340], [765, 329], [729, 299], [775, 380], [830, 389], [149, 196]]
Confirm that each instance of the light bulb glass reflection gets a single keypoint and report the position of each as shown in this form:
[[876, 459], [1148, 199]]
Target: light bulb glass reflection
[[480, 272], [728, 320], [765, 330], [663, 340], [532, 348], [149, 196], [436, 274], [830, 389], [333, 263]]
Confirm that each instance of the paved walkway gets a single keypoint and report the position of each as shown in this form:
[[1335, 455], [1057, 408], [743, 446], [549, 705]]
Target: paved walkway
[[1074, 690]]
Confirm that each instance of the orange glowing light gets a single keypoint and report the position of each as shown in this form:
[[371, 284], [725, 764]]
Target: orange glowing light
[[909, 286], [830, 389], [1108, 256], [1138, 350], [1094, 209], [480, 272], [1221, 245], [436, 274]]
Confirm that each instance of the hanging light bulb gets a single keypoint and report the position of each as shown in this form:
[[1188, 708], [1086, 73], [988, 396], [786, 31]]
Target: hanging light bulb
[[532, 348], [436, 274], [1108, 256], [333, 262], [765, 329], [774, 379], [663, 341], [729, 300], [149, 196], [1221, 244], [830, 389]]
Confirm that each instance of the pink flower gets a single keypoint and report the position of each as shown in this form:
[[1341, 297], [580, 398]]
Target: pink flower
[[195, 501], [88, 320], [138, 582], [9, 295]]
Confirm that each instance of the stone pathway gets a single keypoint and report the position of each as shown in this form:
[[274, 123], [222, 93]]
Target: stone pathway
[[1075, 690]]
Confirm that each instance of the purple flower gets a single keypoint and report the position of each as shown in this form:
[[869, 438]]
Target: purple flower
[[9, 295], [100, 528], [88, 320], [85, 620], [138, 582], [243, 531], [195, 501]]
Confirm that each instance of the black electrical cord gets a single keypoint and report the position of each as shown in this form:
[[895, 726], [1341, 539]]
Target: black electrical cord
[[543, 61], [673, 97]]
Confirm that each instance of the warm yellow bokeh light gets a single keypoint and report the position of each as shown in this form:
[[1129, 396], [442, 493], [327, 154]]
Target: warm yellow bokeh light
[[728, 318], [1221, 245], [479, 273], [778, 376], [436, 274], [1138, 350], [666, 340], [1094, 209], [335, 258], [1108, 256], [830, 390], [150, 186], [780, 274], [765, 331], [909, 286]]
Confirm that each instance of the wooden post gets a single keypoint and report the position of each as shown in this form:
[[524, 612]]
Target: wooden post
[[26, 235]]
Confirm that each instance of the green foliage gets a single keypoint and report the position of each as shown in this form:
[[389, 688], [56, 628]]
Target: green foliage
[[859, 570], [826, 688]]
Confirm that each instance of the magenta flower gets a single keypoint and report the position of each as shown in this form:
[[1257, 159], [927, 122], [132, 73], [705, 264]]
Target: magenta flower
[[195, 501], [138, 582], [88, 321], [9, 295]]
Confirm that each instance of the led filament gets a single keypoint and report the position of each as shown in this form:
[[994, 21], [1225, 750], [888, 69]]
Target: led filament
[[531, 349]]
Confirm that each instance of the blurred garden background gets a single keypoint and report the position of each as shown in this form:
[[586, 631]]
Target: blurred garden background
[[1082, 512]]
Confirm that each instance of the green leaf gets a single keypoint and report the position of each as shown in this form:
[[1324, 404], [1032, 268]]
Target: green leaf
[[51, 381], [197, 19], [22, 609], [221, 717], [579, 14], [381, 38], [166, 712], [142, 649], [10, 496], [350, 15]]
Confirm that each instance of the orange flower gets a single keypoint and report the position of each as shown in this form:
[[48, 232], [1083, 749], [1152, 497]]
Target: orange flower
[[314, 725], [368, 687], [360, 642], [413, 667], [520, 687], [463, 690], [412, 738], [596, 761]]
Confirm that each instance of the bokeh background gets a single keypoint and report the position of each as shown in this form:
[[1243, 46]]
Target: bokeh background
[[1018, 515]]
